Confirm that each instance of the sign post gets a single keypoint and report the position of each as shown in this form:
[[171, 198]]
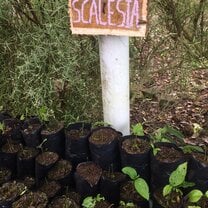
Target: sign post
[[114, 21]]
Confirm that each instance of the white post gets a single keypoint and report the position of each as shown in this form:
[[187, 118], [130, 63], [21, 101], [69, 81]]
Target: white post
[[114, 61]]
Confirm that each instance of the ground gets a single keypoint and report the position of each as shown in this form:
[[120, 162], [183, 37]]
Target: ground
[[182, 108]]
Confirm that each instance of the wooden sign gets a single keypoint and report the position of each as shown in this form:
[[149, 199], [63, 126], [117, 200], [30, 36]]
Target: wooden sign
[[108, 17]]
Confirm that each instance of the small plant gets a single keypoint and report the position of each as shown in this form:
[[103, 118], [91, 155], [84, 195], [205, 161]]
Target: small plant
[[138, 130], [40, 146], [44, 114], [195, 195], [155, 150], [177, 181], [191, 148], [140, 184], [2, 127], [101, 124], [126, 205], [168, 134], [90, 202]]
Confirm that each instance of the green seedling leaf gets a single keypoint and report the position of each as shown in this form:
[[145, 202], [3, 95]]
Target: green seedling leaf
[[2, 127], [131, 172], [99, 198], [142, 188], [175, 132], [167, 190], [126, 205], [89, 202], [206, 194], [194, 196], [186, 184], [22, 117], [192, 148], [138, 129], [194, 207], [177, 177]]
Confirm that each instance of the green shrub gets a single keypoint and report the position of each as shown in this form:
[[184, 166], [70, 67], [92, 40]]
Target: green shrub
[[42, 64]]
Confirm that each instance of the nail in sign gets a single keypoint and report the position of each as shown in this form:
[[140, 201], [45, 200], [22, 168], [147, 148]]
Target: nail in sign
[[108, 17]]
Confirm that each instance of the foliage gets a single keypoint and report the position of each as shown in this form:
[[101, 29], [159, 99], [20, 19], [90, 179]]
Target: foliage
[[138, 129], [195, 196], [140, 184], [2, 127], [126, 205], [42, 64], [177, 180], [90, 202], [168, 134]]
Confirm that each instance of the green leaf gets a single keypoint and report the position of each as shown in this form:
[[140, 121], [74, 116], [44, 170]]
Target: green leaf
[[191, 148], [194, 196], [89, 202], [186, 184], [99, 198], [174, 132], [138, 129], [167, 190], [142, 188], [131, 172], [206, 194], [177, 177]]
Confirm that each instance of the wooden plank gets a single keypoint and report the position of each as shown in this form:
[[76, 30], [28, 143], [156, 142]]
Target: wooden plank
[[108, 17]]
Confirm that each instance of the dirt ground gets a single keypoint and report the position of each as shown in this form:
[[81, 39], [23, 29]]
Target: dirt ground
[[180, 108]]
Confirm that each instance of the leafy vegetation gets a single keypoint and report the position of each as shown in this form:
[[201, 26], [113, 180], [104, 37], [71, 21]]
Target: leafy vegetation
[[140, 184], [177, 181], [42, 64], [90, 202]]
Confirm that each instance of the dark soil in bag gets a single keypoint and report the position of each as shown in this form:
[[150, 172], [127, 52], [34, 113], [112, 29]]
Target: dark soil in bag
[[32, 134], [87, 177], [13, 129], [110, 184], [63, 202], [168, 158], [77, 144], [174, 200], [43, 163], [104, 148], [135, 153], [198, 171], [54, 138], [5, 175], [128, 193], [31, 199], [26, 162], [51, 189], [61, 172], [8, 156], [9, 192]]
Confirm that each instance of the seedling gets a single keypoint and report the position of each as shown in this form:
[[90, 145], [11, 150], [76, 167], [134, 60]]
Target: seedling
[[2, 128], [138, 130], [140, 184], [166, 133], [155, 150], [195, 195], [40, 146], [44, 114], [191, 148], [101, 124], [126, 205], [177, 181], [90, 202]]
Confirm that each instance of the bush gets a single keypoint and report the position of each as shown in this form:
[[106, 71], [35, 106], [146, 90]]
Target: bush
[[42, 64]]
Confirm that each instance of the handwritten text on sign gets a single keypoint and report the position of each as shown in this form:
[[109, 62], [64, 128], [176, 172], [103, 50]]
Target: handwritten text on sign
[[114, 17]]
